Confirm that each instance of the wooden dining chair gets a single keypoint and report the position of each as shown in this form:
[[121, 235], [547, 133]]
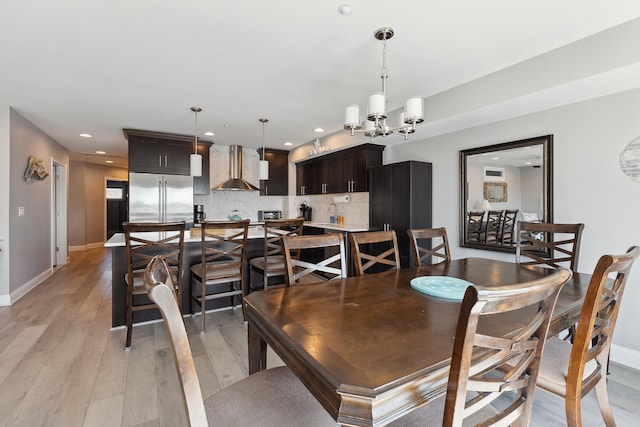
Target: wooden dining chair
[[493, 227], [508, 226], [573, 370], [143, 241], [220, 272], [549, 244], [272, 263], [376, 250], [485, 368], [273, 397], [424, 248], [331, 266], [475, 226]]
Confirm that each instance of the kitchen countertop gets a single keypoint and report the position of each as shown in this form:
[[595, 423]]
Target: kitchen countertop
[[347, 228]]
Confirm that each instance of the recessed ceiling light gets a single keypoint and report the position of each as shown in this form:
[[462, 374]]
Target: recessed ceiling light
[[101, 152], [495, 158], [345, 9], [227, 125], [209, 133], [319, 130], [288, 144], [108, 161], [527, 163], [85, 135]]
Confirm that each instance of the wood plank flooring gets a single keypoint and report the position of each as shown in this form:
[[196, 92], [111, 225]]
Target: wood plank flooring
[[60, 365]]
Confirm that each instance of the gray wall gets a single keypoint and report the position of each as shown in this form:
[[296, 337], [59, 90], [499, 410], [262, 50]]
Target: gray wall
[[5, 185], [30, 235]]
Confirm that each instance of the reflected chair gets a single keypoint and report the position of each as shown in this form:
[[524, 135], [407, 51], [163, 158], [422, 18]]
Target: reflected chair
[[549, 244], [143, 241], [573, 370], [486, 367], [272, 263], [329, 267], [244, 402], [475, 226], [422, 245], [494, 227], [508, 226], [374, 249], [221, 270]]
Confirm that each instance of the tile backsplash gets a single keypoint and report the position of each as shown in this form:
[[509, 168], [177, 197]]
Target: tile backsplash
[[219, 204]]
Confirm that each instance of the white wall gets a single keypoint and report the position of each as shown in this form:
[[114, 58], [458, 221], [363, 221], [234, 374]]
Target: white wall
[[589, 186], [5, 181]]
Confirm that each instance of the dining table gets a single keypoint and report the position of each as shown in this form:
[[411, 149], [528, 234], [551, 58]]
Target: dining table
[[372, 348]]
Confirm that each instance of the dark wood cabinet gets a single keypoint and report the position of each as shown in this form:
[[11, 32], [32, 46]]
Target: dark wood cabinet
[[201, 184], [338, 172], [399, 199], [278, 182], [156, 152]]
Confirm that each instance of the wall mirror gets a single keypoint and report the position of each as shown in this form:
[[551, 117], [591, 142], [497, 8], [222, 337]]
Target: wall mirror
[[502, 184]]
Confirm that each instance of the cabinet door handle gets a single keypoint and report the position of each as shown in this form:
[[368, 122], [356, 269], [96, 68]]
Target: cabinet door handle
[[165, 161], [266, 190], [159, 160]]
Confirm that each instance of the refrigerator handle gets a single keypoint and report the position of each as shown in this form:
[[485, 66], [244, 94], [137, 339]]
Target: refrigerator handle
[[160, 200]]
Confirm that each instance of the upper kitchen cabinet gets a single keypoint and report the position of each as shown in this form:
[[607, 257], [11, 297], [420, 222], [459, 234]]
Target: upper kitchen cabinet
[[155, 152], [338, 172], [399, 199], [278, 182]]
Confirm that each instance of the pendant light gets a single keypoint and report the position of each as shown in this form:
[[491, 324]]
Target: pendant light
[[196, 159], [264, 164]]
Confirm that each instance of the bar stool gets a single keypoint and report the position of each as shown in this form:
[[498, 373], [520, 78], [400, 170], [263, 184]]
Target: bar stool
[[223, 247], [143, 241]]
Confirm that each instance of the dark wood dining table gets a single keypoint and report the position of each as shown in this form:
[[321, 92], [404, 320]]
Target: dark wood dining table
[[371, 348]]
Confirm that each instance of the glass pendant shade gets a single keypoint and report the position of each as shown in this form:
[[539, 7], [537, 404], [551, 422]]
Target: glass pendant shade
[[264, 169], [196, 165], [630, 160], [352, 117]]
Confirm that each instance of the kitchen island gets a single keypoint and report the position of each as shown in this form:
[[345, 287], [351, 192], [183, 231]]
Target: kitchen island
[[192, 255]]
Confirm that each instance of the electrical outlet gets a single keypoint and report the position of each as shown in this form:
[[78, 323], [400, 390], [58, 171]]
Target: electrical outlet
[[20, 210]]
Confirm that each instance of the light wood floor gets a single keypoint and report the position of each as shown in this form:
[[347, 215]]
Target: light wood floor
[[60, 365]]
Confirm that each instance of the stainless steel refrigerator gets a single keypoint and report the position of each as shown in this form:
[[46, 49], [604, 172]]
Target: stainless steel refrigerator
[[160, 198]]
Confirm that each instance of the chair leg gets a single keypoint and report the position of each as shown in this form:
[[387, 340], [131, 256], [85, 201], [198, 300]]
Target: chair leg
[[602, 396], [203, 304], [573, 411], [265, 278], [129, 320]]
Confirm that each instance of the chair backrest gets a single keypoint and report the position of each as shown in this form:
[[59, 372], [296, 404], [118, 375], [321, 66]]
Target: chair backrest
[[160, 290], [508, 226], [597, 320], [275, 229], [301, 271], [143, 241], [388, 256], [549, 244], [224, 243], [494, 227], [423, 242], [474, 226], [485, 367]]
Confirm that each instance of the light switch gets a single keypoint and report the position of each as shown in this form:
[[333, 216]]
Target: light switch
[[20, 210]]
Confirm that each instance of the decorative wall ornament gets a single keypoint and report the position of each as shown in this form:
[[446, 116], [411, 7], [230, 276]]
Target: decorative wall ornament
[[35, 170], [630, 160]]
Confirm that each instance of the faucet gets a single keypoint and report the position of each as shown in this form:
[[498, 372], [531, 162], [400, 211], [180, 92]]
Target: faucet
[[335, 208]]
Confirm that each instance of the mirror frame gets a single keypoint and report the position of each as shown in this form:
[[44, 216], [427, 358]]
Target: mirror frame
[[547, 176]]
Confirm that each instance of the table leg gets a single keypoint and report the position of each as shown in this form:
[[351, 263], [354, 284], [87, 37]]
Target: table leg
[[257, 350]]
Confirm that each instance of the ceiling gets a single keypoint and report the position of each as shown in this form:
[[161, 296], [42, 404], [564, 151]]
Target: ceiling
[[101, 66]]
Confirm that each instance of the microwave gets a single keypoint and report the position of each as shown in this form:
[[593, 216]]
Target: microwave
[[262, 215]]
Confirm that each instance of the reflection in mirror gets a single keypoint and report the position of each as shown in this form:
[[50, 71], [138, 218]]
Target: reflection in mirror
[[501, 185]]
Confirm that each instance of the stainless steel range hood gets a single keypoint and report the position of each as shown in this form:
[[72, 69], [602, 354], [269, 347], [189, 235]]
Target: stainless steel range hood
[[235, 181]]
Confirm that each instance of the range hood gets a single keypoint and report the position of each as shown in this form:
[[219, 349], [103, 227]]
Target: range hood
[[235, 181]]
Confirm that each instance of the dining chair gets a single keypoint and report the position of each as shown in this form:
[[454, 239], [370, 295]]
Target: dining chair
[[143, 241], [485, 368], [573, 370], [475, 226], [374, 250], [493, 227], [220, 272], [549, 244], [273, 397], [508, 226], [331, 266], [422, 245], [272, 263]]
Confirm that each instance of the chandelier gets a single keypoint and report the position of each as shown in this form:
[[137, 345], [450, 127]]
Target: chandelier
[[376, 123]]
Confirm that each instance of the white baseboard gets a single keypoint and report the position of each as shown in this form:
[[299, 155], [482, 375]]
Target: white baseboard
[[31, 284], [625, 356], [5, 300], [95, 245]]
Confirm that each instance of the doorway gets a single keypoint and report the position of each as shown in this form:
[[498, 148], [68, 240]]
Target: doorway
[[117, 207], [58, 214]]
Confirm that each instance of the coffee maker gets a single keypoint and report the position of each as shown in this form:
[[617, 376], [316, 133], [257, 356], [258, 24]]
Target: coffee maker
[[198, 214], [305, 211]]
